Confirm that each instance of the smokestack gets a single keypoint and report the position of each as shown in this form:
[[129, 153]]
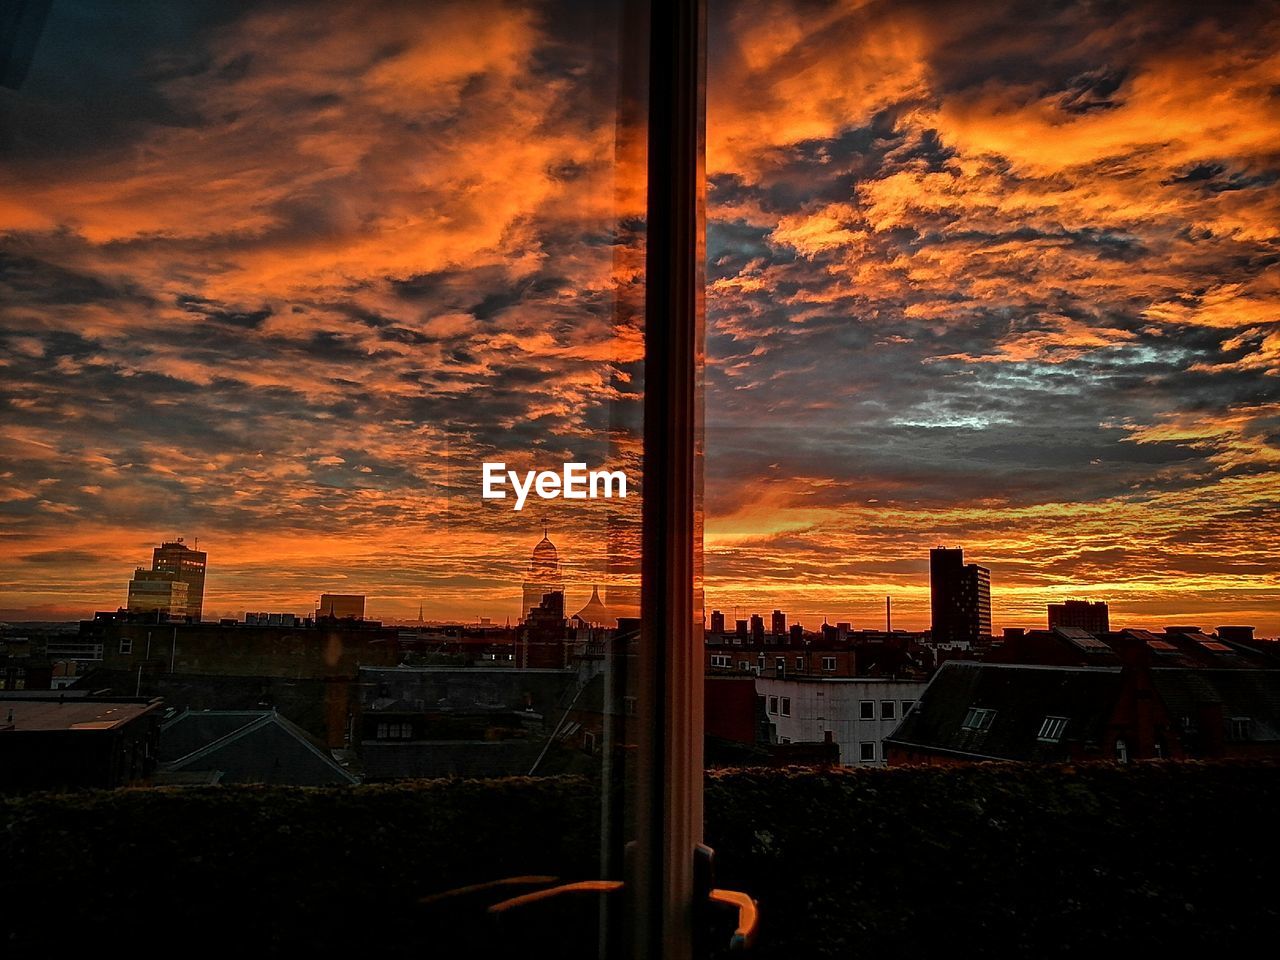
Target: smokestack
[[888, 615]]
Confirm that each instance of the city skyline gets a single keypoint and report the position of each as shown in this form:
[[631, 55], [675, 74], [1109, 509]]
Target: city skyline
[[1014, 289], [908, 617]]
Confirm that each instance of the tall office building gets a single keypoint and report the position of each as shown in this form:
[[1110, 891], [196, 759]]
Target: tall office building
[[717, 622], [959, 597], [779, 623], [152, 591], [1092, 617], [188, 565]]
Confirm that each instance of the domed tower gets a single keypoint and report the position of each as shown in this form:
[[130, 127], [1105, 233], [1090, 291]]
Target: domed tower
[[543, 576]]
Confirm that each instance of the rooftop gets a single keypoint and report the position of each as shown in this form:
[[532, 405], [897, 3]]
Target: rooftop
[[69, 713]]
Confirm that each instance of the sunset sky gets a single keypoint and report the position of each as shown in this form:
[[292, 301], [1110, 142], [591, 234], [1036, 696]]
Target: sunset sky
[[1000, 276]]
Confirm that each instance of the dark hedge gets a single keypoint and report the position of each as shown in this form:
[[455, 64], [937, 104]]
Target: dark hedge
[[990, 860], [1002, 860]]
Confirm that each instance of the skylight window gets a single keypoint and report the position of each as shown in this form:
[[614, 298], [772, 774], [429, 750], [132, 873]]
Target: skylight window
[[1052, 729], [978, 718]]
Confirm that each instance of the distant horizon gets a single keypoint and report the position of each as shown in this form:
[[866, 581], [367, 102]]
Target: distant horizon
[[912, 616]]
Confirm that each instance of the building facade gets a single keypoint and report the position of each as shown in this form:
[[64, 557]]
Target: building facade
[[1081, 614], [857, 713], [959, 597], [158, 591], [186, 564]]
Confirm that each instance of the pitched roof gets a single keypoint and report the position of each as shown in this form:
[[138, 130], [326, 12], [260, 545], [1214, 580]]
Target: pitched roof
[[1082, 640], [1254, 694], [251, 746], [191, 730], [1021, 698]]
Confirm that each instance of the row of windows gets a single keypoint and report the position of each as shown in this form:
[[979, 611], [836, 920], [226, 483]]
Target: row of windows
[[395, 731], [781, 706], [888, 709], [780, 663]]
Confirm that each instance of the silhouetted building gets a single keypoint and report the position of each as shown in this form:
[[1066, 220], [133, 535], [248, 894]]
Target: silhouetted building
[[960, 597], [1061, 646], [1236, 634], [342, 606], [188, 565], [158, 591], [263, 619], [973, 712], [717, 622], [1081, 614], [757, 628], [543, 576], [65, 740], [307, 670], [463, 721], [779, 624]]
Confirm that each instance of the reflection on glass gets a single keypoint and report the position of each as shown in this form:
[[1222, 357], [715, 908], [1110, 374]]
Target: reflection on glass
[[280, 279]]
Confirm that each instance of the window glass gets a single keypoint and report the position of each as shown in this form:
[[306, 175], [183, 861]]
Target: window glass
[[323, 339]]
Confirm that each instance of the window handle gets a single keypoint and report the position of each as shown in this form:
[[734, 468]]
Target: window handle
[[564, 889], [486, 887], [744, 936]]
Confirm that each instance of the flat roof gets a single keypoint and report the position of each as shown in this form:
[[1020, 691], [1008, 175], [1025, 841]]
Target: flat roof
[[71, 714]]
